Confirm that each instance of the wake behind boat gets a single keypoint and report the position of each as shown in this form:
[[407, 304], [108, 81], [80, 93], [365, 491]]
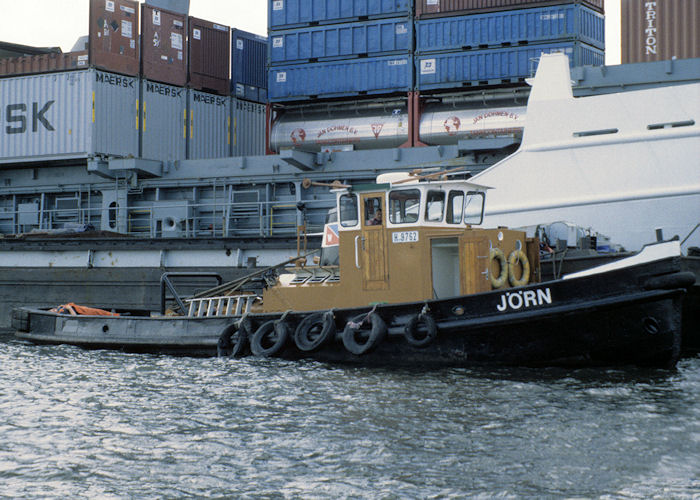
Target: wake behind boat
[[418, 282]]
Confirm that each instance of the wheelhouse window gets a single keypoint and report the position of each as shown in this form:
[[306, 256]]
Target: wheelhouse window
[[348, 210], [373, 211], [434, 206], [332, 216], [474, 208], [455, 207], [404, 206]]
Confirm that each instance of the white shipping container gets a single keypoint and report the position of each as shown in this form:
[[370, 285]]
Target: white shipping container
[[209, 125], [247, 128], [163, 121], [73, 114]]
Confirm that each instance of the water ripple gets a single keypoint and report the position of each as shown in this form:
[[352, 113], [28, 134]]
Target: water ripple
[[102, 424]]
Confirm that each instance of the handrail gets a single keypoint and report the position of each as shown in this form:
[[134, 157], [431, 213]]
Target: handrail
[[690, 233], [217, 218]]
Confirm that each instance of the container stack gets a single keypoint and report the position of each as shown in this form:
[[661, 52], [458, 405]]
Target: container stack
[[382, 63], [208, 110], [157, 85], [327, 49], [249, 93], [248, 66], [164, 74], [466, 43], [330, 49]]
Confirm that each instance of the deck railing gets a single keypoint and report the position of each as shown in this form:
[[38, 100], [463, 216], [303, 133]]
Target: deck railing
[[172, 219]]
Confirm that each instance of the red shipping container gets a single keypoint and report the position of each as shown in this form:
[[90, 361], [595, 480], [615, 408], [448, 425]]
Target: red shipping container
[[439, 8], [114, 36], [660, 30], [163, 46], [209, 57], [43, 63]]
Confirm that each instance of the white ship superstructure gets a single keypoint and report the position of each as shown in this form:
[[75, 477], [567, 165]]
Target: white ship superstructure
[[624, 164]]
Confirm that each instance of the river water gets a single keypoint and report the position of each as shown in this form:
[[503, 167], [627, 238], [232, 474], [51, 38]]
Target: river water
[[104, 424]]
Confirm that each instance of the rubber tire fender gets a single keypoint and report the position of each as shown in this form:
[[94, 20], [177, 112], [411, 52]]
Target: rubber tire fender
[[500, 280], [411, 330], [224, 348], [513, 258], [309, 323], [281, 331], [376, 334], [234, 340]]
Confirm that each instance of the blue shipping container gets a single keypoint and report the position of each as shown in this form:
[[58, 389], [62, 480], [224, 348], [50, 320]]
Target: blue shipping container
[[297, 13], [352, 77], [572, 22], [338, 41], [494, 66], [248, 66], [249, 93]]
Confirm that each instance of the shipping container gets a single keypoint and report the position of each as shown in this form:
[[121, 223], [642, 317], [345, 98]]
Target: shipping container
[[656, 31], [247, 128], [248, 66], [572, 22], [347, 78], [179, 6], [44, 63], [114, 36], [8, 50], [434, 8], [209, 56], [342, 41], [369, 125], [251, 93], [163, 46], [298, 13], [209, 125], [163, 121], [495, 66], [74, 114]]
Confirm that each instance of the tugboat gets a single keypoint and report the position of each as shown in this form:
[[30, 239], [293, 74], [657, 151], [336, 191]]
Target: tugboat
[[417, 282]]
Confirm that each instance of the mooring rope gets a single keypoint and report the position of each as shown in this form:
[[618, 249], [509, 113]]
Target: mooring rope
[[356, 326]]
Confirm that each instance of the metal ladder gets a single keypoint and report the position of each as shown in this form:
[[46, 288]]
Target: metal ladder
[[228, 305]]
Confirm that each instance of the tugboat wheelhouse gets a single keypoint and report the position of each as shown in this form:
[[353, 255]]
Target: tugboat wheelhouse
[[404, 239]]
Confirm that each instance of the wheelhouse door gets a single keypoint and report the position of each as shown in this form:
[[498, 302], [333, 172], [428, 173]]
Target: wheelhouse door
[[372, 246], [474, 256], [474, 248]]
